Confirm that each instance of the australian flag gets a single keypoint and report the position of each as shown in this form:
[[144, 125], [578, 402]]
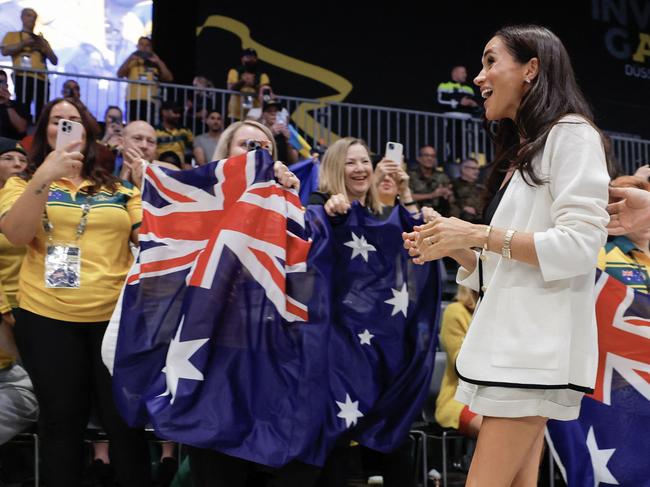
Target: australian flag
[[252, 327], [609, 444]]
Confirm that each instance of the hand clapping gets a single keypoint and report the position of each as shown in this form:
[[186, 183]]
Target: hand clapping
[[439, 238]]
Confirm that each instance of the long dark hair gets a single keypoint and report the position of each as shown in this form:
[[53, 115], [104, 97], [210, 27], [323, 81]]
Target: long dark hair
[[40, 148], [553, 94]]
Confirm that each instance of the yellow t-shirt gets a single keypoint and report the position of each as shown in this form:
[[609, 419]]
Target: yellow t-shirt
[[455, 323], [138, 71], [622, 260], [178, 140], [11, 257], [105, 253], [235, 102], [27, 58]]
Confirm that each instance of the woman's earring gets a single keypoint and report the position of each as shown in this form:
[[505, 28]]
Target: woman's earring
[[526, 80]]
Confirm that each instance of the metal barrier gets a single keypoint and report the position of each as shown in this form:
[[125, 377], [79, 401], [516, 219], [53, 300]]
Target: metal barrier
[[455, 136]]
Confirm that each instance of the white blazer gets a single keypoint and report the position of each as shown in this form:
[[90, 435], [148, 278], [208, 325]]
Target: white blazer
[[536, 326]]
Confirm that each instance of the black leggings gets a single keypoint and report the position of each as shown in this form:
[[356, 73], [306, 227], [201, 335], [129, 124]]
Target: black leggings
[[64, 362], [213, 469]]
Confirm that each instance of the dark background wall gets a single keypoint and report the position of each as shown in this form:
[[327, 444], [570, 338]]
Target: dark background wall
[[396, 55]]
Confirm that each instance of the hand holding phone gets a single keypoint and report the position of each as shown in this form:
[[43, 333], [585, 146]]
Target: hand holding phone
[[65, 162]]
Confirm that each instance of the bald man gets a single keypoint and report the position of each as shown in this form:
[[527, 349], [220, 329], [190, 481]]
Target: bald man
[[139, 144]]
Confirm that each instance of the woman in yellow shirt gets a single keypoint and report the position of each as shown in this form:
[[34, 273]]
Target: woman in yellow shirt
[[76, 220], [455, 323]]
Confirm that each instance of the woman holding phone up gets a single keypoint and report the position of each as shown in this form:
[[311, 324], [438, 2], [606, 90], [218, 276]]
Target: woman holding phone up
[[77, 221], [347, 175], [532, 350]]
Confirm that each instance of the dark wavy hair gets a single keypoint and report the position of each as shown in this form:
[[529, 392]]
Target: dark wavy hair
[[40, 148], [553, 94]]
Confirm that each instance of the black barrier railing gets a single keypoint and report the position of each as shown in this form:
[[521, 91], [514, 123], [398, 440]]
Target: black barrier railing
[[455, 136]]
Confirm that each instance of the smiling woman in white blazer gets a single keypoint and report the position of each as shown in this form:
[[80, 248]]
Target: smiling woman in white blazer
[[532, 350]]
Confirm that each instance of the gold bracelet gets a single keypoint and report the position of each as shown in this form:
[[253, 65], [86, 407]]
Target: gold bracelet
[[488, 230], [506, 251]]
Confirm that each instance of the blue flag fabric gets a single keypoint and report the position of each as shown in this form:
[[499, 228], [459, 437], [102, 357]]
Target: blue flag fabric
[[609, 444], [307, 172], [265, 333]]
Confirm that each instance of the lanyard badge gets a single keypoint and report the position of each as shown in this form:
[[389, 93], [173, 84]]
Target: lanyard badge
[[63, 265], [63, 259]]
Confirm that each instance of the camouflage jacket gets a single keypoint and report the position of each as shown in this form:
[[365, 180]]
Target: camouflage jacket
[[420, 184]]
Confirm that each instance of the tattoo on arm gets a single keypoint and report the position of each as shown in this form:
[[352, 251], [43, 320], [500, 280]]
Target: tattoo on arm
[[41, 189]]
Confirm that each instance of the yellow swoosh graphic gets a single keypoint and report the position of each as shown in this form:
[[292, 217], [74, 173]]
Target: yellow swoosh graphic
[[300, 116]]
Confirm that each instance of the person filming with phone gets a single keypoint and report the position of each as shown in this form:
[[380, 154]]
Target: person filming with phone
[[29, 50], [143, 65], [77, 221], [276, 119], [14, 116]]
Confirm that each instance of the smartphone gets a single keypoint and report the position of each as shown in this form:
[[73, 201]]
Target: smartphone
[[394, 151], [68, 132], [281, 117]]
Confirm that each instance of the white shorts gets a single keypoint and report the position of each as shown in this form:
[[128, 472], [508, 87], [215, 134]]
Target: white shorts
[[511, 402]]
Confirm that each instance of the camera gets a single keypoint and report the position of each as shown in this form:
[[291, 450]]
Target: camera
[[66, 127], [253, 145], [112, 119], [143, 54], [391, 145]]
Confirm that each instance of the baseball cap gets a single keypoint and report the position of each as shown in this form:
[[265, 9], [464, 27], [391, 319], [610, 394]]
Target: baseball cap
[[8, 145]]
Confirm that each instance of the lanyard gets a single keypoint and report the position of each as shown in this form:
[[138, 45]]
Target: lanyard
[[81, 227]]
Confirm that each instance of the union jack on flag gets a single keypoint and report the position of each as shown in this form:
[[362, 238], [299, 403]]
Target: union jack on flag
[[609, 444], [174, 237]]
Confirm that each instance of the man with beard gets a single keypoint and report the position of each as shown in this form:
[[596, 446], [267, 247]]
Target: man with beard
[[250, 81], [205, 144], [429, 183], [170, 136]]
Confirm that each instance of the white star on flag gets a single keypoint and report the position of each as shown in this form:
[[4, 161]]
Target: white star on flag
[[349, 410], [599, 459], [360, 246], [399, 301], [365, 337], [178, 365]]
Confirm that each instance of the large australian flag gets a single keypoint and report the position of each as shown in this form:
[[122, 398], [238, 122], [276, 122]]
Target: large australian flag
[[609, 444], [254, 328]]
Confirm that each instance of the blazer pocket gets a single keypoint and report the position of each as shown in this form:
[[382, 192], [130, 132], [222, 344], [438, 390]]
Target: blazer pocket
[[529, 334]]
